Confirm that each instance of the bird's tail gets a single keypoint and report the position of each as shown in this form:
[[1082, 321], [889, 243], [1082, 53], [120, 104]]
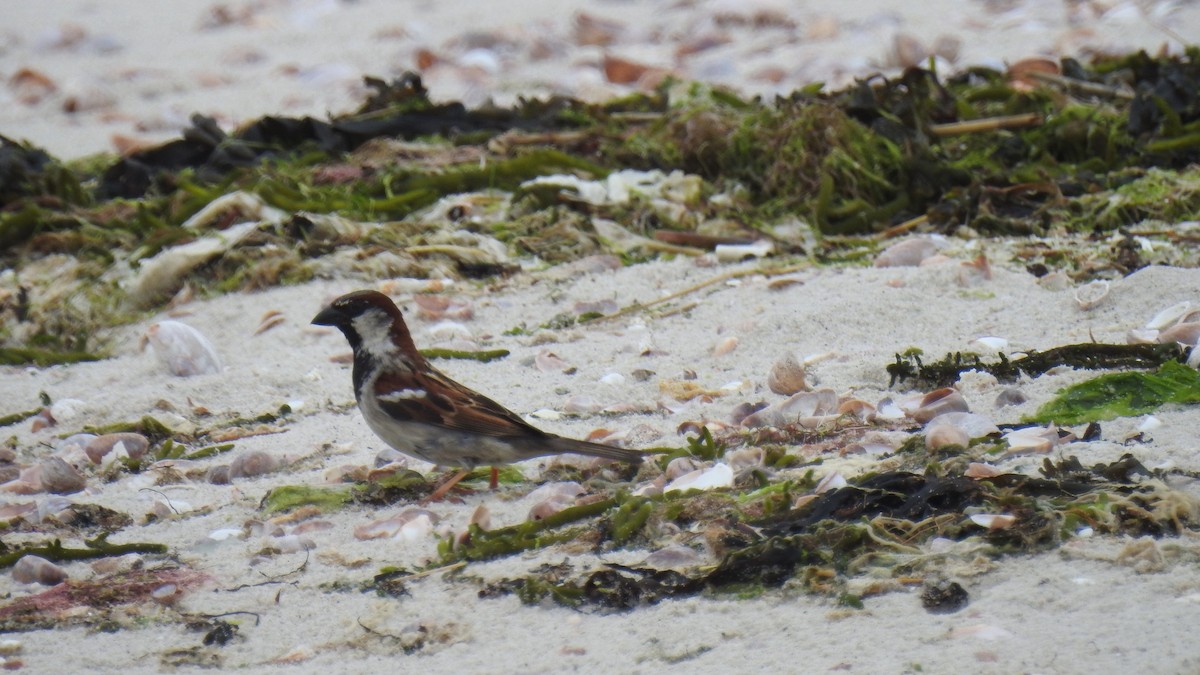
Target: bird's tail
[[560, 444]]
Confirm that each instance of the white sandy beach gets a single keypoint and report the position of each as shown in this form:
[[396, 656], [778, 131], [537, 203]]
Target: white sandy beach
[[1096, 605]]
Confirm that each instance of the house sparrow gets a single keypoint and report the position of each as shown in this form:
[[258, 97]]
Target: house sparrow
[[419, 411]]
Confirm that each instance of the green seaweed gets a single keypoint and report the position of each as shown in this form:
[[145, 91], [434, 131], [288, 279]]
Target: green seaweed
[[482, 355], [1121, 395], [96, 548], [288, 497], [31, 356]]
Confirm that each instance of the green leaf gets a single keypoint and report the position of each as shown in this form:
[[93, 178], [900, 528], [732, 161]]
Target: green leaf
[[1122, 395]]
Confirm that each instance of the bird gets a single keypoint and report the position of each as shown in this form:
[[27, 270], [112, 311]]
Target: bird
[[419, 411]]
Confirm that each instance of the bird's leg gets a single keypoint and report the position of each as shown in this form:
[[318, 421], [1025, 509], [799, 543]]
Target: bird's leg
[[495, 481], [446, 486]]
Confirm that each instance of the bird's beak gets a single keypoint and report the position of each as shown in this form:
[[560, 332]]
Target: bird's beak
[[329, 317]]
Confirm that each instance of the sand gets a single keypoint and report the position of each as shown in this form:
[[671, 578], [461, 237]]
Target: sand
[[1092, 606]]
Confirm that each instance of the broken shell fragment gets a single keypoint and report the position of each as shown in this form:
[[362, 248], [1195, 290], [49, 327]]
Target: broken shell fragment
[[725, 346], [254, 463], [717, 476], [1186, 334], [32, 569], [939, 402], [907, 253], [941, 436], [60, 478], [128, 444], [993, 521], [1091, 294], [787, 376], [981, 470], [1031, 440], [409, 525], [183, 350], [1169, 316]]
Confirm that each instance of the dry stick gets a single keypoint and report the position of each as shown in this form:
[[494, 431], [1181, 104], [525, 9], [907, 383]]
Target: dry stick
[[903, 227], [628, 309], [986, 124], [1082, 86]]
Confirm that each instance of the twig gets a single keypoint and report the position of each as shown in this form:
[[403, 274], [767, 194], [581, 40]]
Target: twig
[[1082, 86], [986, 124], [720, 278]]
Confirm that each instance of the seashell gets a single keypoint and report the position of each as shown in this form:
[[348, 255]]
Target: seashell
[[218, 475], [979, 470], [1169, 316], [32, 569], [673, 557], [1055, 281], [1020, 74], [1031, 440], [409, 525], [346, 473], [717, 476], [680, 466], [128, 444], [1151, 423], [447, 329], [939, 402], [940, 436], [738, 252], [481, 517], [389, 456], [569, 489], [253, 463], [73, 444], [1091, 294], [269, 320], [613, 378], [10, 647], [60, 478], [166, 594], [993, 521], [546, 414], [907, 253], [786, 376], [548, 507], [743, 410], [225, 533], [830, 481], [725, 346], [974, 272], [807, 408], [438, 307], [973, 424], [549, 362], [67, 410], [743, 459], [1142, 336], [887, 409], [183, 350], [1186, 334], [856, 408], [995, 344], [51, 506], [313, 526], [1010, 396]]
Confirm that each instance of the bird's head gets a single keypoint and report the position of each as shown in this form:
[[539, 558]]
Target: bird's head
[[371, 322]]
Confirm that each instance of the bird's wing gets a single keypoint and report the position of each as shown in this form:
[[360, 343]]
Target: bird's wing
[[432, 398]]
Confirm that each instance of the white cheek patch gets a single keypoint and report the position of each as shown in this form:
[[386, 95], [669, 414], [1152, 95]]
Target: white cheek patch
[[402, 395], [375, 329]]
